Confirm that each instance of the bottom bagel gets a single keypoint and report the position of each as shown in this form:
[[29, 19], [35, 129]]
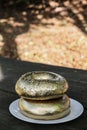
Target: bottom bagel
[[45, 110]]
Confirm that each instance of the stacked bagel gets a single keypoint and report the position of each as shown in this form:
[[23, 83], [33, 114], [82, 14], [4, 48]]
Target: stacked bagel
[[42, 95]]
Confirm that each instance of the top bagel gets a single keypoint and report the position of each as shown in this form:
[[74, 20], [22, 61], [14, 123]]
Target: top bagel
[[41, 85]]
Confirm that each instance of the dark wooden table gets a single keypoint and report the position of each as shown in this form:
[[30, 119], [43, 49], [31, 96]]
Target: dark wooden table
[[11, 70]]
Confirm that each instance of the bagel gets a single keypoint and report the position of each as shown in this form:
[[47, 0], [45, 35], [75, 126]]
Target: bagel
[[45, 109], [41, 85]]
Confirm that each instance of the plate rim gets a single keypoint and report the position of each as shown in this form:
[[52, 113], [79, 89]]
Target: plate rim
[[36, 121]]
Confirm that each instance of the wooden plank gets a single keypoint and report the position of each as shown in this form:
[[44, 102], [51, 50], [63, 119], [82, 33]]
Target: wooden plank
[[12, 67], [78, 91]]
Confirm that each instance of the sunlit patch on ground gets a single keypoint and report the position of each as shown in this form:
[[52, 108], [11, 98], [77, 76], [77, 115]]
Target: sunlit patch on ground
[[45, 31]]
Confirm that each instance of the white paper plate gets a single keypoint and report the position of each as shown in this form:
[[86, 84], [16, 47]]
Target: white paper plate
[[76, 111]]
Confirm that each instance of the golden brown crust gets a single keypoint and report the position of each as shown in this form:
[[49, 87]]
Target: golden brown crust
[[47, 109], [41, 85]]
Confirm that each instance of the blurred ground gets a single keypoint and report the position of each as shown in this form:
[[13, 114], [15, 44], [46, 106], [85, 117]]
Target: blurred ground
[[52, 32]]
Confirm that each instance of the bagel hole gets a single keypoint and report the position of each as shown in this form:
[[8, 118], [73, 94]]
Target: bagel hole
[[40, 75], [43, 76]]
